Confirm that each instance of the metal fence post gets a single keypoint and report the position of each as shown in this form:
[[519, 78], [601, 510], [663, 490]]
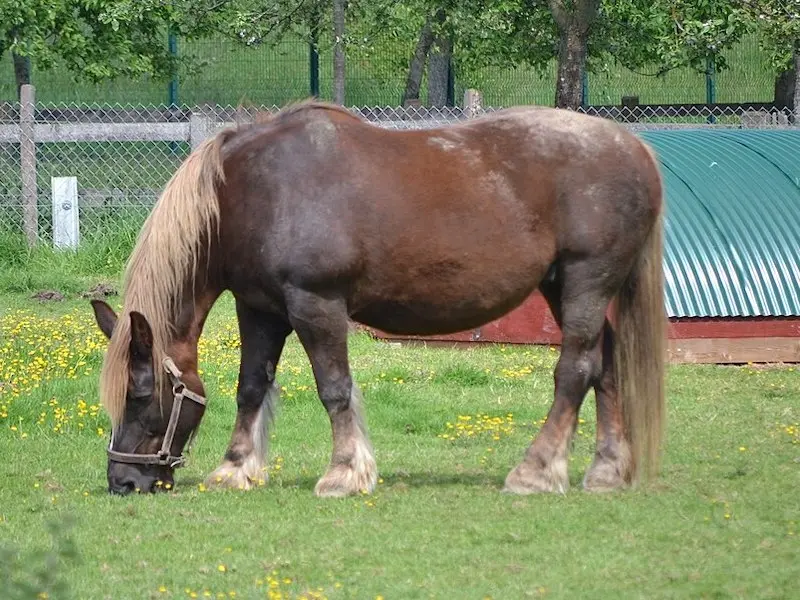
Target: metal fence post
[[172, 90], [711, 88], [27, 155]]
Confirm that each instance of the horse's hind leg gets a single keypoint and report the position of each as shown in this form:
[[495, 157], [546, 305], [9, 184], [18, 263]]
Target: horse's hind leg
[[612, 465], [321, 326], [262, 336], [578, 303]]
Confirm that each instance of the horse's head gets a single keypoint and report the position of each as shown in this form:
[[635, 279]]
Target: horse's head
[[159, 414]]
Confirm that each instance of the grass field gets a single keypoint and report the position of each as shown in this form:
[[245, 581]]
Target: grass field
[[232, 73], [447, 425]]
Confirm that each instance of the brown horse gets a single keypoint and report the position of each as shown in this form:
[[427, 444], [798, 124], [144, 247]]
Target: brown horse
[[314, 217]]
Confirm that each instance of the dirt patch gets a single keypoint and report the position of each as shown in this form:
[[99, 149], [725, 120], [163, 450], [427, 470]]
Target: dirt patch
[[48, 296], [101, 290]]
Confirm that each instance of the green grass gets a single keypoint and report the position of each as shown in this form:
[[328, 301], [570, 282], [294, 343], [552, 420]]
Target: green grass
[[231, 73], [721, 522]]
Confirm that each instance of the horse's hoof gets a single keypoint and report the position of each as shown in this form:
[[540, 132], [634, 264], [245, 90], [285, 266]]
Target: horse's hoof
[[526, 479], [229, 476], [604, 476], [343, 480]]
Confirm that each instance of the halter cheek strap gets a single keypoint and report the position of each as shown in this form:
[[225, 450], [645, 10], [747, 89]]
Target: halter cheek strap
[[163, 457]]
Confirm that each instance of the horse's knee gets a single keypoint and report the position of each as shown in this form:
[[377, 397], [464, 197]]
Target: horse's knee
[[577, 370], [335, 395]]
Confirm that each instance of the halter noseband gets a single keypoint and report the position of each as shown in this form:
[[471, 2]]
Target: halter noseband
[[163, 457]]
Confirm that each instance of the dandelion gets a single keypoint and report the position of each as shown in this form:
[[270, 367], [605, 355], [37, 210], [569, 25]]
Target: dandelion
[[221, 568]]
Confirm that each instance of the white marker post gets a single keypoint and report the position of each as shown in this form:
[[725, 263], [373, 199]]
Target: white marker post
[[66, 222]]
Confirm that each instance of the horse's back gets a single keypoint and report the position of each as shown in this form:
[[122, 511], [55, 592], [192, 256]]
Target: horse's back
[[426, 230]]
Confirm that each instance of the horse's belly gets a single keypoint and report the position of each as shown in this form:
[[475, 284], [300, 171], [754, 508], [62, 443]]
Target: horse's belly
[[440, 309]]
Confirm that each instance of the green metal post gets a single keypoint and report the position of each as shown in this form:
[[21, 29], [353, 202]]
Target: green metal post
[[313, 66], [451, 83], [172, 92], [585, 88], [711, 86], [313, 52]]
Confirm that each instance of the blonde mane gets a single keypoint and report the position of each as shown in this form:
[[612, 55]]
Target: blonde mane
[[166, 253]]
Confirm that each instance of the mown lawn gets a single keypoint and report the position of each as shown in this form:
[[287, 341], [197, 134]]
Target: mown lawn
[[447, 425]]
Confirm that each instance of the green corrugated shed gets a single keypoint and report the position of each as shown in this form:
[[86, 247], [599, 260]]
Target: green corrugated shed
[[732, 229]]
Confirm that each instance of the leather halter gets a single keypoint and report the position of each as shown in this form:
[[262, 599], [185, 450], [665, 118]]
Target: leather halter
[[163, 457]]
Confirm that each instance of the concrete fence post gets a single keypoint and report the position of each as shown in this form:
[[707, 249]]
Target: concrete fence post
[[66, 220]]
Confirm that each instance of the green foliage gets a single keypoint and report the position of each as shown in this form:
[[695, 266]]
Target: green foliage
[[38, 572], [87, 37], [668, 34], [778, 25]]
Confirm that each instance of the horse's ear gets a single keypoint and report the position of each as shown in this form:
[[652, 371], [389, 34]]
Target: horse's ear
[[105, 316], [141, 336]]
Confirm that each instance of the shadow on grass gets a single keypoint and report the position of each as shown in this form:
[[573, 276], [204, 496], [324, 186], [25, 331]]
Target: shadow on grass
[[401, 479], [395, 480]]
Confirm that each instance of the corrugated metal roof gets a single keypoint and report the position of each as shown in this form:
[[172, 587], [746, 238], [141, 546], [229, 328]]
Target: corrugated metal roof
[[732, 229]]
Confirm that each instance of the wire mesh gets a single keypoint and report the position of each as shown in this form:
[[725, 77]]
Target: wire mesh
[[277, 71], [120, 180]]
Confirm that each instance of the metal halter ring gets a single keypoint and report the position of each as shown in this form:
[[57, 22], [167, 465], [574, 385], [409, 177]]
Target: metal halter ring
[[163, 456]]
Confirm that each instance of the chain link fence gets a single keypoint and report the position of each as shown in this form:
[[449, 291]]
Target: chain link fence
[[122, 156], [277, 71]]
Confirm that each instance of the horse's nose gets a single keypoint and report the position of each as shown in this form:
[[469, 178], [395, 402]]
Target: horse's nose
[[122, 488]]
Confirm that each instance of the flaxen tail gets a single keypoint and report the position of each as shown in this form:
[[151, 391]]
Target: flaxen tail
[[640, 354]]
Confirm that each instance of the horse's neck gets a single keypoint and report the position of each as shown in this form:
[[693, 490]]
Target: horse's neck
[[191, 318]]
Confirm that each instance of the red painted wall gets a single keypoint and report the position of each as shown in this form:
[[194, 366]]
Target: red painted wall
[[533, 323]]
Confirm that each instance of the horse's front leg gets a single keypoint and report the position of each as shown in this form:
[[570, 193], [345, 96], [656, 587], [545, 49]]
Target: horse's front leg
[[321, 326], [262, 336]]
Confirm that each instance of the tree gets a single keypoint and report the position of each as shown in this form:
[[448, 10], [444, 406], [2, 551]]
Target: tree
[[574, 19], [339, 9], [84, 37], [778, 25], [670, 34], [416, 68]]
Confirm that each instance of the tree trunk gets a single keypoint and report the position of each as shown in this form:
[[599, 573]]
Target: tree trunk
[[574, 24], [439, 71], [338, 51], [22, 70], [787, 90], [784, 89], [571, 63], [417, 66]]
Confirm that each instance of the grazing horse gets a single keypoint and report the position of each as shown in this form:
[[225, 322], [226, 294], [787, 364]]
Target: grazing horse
[[313, 217]]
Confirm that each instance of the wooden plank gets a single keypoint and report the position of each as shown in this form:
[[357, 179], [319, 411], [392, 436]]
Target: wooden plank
[[736, 327], [100, 132], [734, 351], [27, 154]]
